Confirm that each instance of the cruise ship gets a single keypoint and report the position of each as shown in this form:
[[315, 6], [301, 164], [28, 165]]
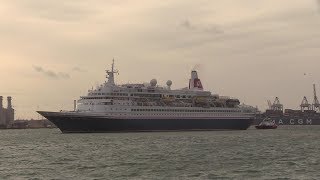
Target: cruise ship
[[151, 107]]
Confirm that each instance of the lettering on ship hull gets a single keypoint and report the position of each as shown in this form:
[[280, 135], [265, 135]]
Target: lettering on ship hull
[[293, 122]]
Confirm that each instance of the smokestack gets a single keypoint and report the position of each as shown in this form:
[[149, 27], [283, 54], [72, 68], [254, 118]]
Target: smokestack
[[74, 105], [1, 102], [9, 102], [195, 82]]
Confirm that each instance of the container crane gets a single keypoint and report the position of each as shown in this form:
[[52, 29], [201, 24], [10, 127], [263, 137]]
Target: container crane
[[305, 104], [316, 104]]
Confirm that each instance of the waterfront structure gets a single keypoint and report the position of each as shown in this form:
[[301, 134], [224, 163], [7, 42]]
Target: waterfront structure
[[309, 114], [150, 107], [6, 114]]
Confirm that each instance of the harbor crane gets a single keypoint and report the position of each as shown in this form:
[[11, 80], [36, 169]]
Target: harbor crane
[[269, 104], [316, 104], [305, 104], [277, 106]]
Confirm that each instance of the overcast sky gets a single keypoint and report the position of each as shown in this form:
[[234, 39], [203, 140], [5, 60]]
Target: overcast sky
[[53, 51]]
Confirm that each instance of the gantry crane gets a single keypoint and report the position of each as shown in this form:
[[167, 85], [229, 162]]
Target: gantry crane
[[305, 104], [316, 104], [277, 106]]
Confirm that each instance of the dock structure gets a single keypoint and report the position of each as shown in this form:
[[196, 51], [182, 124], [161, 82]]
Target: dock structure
[[6, 114]]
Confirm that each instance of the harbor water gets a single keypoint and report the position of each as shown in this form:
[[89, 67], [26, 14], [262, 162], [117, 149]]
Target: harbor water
[[289, 152]]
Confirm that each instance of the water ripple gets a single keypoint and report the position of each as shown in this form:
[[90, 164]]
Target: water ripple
[[285, 153]]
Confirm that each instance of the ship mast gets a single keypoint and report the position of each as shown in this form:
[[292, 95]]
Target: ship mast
[[110, 74]]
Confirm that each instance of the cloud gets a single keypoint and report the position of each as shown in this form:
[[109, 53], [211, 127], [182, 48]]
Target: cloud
[[64, 75], [223, 36], [50, 73], [55, 10], [187, 24], [10, 93], [213, 28], [77, 69], [38, 68]]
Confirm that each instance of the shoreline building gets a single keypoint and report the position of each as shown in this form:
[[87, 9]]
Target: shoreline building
[[6, 114]]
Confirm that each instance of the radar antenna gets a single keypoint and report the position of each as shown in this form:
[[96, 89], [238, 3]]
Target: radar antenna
[[110, 74], [316, 104]]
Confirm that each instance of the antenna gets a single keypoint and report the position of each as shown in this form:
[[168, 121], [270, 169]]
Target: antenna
[[110, 74]]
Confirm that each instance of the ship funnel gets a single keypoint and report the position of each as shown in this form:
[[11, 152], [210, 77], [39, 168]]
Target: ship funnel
[[195, 82]]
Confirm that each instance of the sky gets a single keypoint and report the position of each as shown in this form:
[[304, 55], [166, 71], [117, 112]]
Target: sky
[[52, 52]]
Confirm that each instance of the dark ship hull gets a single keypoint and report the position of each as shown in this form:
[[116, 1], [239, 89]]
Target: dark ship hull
[[290, 117], [91, 124], [290, 120]]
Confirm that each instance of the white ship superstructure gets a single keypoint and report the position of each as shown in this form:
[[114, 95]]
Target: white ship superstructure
[[149, 99]]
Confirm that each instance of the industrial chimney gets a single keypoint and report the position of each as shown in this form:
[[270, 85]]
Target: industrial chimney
[[1, 111], [9, 102], [74, 105], [1, 102]]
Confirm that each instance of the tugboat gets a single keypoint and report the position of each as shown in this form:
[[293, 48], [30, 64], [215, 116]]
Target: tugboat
[[267, 124]]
